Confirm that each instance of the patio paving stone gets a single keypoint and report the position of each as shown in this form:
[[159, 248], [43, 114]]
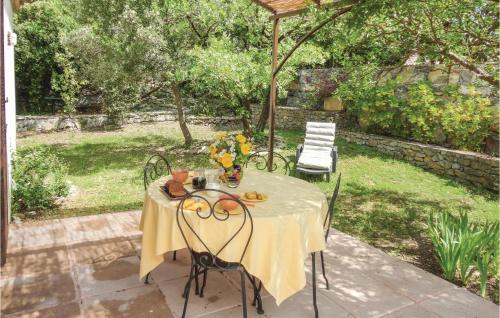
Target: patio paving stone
[[234, 312], [141, 302], [410, 281], [36, 262], [40, 292], [413, 311], [70, 310], [36, 235], [90, 264], [124, 224], [106, 250], [219, 295], [88, 229], [171, 269], [360, 294], [301, 305], [460, 303], [100, 278]]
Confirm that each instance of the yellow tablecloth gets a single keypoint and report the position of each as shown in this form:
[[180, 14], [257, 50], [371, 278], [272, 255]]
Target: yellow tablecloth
[[287, 228]]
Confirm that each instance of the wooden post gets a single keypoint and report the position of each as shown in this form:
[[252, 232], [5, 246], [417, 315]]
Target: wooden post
[[272, 97]]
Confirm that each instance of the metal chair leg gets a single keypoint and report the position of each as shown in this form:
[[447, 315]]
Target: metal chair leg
[[243, 294], [146, 281], [196, 282], [323, 269], [174, 257], [257, 300], [186, 293], [204, 282], [316, 315]]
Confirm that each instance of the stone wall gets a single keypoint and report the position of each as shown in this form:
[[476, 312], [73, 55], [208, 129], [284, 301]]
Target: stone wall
[[470, 167], [90, 122], [313, 85], [286, 117], [296, 118]]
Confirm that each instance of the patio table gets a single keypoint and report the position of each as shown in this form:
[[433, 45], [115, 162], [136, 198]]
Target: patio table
[[287, 228]]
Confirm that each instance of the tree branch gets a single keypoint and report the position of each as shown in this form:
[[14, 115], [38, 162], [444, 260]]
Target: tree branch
[[482, 74]]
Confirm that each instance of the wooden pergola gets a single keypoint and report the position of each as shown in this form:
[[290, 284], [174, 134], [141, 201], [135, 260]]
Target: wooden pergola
[[286, 8]]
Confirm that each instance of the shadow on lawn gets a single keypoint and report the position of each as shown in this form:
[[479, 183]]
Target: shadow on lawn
[[392, 221], [122, 154]]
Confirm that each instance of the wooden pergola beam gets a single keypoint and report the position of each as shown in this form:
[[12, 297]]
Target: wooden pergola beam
[[280, 9]]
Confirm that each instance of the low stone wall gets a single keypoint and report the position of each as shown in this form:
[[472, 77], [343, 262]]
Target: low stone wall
[[89, 122], [470, 167], [296, 118]]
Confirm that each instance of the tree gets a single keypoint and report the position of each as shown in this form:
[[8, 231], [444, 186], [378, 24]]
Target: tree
[[40, 70], [233, 78], [436, 30], [132, 49]]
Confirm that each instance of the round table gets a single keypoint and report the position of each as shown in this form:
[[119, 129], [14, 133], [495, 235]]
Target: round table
[[286, 229]]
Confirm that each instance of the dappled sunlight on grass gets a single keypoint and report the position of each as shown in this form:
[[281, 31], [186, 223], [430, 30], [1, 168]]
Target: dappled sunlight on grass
[[383, 201], [386, 202]]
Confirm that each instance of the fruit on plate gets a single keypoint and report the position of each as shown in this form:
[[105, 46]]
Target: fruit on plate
[[227, 202], [191, 204], [254, 195]]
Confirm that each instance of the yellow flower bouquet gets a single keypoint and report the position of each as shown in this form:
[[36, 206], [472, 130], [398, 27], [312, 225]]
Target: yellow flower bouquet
[[230, 152]]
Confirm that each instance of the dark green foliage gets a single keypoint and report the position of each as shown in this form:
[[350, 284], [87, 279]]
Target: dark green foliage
[[39, 179], [420, 114], [39, 70]]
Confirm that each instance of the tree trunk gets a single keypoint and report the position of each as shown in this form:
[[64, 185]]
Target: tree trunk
[[180, 115], [264, 115], [246, 119]]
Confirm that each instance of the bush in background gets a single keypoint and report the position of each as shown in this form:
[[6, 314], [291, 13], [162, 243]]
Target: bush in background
[[39, 179], [466, 119], [420, 114]]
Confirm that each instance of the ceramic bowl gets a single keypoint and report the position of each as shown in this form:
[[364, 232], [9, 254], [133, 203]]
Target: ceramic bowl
[[180, 175]]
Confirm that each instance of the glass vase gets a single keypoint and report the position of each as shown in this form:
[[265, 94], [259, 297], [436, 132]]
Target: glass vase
[[234, 176]]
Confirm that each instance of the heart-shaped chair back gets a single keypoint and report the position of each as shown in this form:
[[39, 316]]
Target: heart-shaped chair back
[[216, 237]]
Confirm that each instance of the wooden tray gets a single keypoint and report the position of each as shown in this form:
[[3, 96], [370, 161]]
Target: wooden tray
[[171, 197]]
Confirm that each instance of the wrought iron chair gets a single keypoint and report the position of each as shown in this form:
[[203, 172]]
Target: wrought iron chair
[[259, 159], [157, 166], [206, 257], [326, 226]]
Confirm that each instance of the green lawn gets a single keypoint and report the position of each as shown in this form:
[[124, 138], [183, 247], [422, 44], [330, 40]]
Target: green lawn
[[383, 201]]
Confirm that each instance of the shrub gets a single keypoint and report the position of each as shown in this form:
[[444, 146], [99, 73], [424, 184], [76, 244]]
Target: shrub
[[39, 178], [463, 120], [376, 107], [462, 247], [422, 112], [445, 239], [466, 119]]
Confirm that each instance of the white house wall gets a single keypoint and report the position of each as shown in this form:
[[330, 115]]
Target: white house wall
[[10, 91]]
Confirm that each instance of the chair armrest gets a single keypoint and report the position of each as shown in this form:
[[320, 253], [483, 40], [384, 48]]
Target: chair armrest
[[335, 158], [300, 147]]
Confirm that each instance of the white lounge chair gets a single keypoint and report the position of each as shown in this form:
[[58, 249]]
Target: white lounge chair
[[318, 154]]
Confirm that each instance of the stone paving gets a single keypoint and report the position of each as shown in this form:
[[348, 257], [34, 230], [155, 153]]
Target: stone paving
[[88, 267]]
